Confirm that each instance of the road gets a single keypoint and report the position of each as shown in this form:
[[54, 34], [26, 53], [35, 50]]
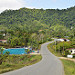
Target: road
[[49, 65]]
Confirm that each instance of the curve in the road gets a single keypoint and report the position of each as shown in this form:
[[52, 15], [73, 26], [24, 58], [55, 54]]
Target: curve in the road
[[49, 65]]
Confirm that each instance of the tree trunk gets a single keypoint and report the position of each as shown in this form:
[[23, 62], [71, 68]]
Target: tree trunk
[[0, 61]]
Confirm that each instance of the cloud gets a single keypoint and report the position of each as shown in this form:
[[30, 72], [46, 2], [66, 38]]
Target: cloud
[[30, 7], [11, 4]]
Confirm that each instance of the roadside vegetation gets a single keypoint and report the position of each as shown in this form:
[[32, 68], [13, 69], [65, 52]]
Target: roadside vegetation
[[13, 62], [60, 48], [57, 50], [69, 67]]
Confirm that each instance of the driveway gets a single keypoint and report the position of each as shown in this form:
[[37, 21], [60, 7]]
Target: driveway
[[49, 65]]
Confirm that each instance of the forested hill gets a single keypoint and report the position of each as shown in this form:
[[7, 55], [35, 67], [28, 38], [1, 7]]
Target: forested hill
[[31, 27], [37, 18]]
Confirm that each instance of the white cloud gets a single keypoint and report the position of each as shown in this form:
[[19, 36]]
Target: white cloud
[[11, 4]]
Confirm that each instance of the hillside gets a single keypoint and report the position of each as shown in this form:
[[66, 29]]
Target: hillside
[[35, 26], [50, 17]]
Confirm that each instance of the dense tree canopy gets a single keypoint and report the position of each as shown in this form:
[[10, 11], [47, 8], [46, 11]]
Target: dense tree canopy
[[33, 26]]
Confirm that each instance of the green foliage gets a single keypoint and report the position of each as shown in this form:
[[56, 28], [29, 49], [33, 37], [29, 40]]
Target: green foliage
[[32, 27], [14, 62], [1, 50], [28, 51], [15, 41], [53, 51], [60, 45], [60, 48], [48, 16], [73, 41], [3, 56]]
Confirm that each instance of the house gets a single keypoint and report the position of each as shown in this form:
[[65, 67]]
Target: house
[[3, 41], [62, 39], [72, 50]]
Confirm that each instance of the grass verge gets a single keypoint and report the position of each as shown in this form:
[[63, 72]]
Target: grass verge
[[51, 49], [14, 62], [69, 66]]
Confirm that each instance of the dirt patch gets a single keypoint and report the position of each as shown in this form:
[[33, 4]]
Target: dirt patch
[[67, 58]]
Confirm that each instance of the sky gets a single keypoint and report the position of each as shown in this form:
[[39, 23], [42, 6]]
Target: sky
[[38, 4]]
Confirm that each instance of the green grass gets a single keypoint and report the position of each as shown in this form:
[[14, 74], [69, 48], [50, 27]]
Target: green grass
[[14, 62], [51, 49], [69, 67]]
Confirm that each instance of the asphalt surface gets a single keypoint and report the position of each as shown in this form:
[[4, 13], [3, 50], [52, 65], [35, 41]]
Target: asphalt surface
[[49, 65]]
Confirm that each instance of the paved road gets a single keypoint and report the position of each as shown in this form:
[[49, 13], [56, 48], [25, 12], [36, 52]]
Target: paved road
[[49, 65]]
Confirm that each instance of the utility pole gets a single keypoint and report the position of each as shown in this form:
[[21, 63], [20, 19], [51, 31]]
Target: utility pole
[[55, 45], [63, 47]]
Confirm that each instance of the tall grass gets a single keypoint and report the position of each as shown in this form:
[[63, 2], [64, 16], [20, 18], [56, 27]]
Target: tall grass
[[69, 67], [13, 62]]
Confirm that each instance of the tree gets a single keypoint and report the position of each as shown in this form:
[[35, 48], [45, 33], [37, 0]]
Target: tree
[[15, 41], [3, 56]]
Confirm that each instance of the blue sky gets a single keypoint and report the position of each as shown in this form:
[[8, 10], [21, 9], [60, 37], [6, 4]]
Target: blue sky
[[54, 4], [38, 4]]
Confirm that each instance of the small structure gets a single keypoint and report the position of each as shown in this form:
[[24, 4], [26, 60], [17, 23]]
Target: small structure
[[4, 34], [69, 56], [66, 36], [26, 48], [3, 41], [62, 39], [72, 50]]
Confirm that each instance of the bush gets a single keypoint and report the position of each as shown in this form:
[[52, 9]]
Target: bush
[[28, 51], [7, 65], [49, 39], [67, 53]]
